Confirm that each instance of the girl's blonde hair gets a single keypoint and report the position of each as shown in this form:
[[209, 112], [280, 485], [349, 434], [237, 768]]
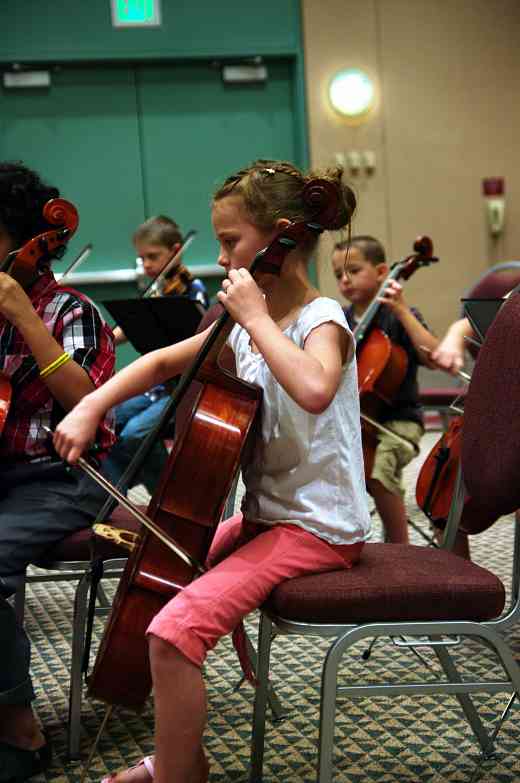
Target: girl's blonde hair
[[159, 230], [271, 190]]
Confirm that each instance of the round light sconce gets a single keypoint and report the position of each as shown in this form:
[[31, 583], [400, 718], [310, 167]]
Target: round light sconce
[[352, 94]]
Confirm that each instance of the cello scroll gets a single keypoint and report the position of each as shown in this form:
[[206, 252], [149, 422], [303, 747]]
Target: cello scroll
[[36, 252]]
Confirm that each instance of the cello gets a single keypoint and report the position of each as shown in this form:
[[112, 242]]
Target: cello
[[189, 500], [25, 262], [382, 365], [436, 483]]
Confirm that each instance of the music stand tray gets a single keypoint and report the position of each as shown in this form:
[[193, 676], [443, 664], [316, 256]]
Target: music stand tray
[[481, 313], [155, 322]]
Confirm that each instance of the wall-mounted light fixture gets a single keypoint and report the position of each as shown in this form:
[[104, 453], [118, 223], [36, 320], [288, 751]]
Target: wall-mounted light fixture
[[352, 94]]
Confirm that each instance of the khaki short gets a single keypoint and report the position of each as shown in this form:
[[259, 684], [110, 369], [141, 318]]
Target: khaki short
[[391, 456]]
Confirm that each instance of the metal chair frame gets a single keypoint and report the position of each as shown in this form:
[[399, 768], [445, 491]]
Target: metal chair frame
[[81, 572], [437, 635]]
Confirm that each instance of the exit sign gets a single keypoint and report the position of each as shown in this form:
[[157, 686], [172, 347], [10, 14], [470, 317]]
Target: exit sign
[[136, 13]]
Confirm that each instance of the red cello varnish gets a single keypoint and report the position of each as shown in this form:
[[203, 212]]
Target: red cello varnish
[[382, 365], [25, 262], [436, 484], [190, 498]]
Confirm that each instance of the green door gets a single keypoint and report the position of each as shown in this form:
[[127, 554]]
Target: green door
[[196, 131], [82, 135]]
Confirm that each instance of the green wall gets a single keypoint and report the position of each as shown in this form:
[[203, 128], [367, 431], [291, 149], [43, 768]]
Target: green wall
[[139, 122], [73, 30]]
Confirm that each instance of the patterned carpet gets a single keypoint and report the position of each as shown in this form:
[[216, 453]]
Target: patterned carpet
[[382, 739]]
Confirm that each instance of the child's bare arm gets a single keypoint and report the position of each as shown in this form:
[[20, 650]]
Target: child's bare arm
[[78, 429], [310, 376], [419, 335], [449, 354]]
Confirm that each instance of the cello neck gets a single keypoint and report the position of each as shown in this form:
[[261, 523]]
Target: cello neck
[[214, 344], [372, 310]]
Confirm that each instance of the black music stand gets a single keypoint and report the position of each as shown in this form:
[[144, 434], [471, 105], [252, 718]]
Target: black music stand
[[155, 322], [481, 313]]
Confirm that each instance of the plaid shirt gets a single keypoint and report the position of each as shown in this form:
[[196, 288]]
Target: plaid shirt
[[76, 324]]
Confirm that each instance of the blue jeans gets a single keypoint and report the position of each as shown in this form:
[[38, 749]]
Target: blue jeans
[[39, 506], [135, 418]]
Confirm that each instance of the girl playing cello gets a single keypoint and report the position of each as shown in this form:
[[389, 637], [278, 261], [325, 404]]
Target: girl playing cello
[[305, 507]]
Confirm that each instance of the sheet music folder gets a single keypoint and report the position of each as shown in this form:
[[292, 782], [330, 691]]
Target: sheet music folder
[[481, 313], [156, 321]]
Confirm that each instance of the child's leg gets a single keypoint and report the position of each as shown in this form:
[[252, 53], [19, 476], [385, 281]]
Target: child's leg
[[180, 716], [386, 482], [192, 623], [392, 511]]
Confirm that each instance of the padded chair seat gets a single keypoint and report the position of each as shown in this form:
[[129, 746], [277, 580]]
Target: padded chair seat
[[393, 582], [77, 546], [440, 397]]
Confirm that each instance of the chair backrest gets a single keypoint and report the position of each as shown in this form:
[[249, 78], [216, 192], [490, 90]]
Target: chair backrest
[[496, 281], [491, 433]]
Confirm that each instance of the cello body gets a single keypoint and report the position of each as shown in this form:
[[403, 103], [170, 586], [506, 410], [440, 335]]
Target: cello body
[[382, 367], [188, 505], [436, 484]]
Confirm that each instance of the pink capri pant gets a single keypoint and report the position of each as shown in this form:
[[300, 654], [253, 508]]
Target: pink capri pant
[[246, 561]]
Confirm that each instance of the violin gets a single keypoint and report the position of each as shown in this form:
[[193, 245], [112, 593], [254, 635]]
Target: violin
[[382, 365], [190, 497], [179, 282], [436, 483], [174, 278], [27, 261]]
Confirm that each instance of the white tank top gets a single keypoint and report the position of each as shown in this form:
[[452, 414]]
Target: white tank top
[[306, 469]]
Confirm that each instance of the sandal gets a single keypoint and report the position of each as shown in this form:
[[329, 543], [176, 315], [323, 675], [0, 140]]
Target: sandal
[[147, 762], [18, 764]]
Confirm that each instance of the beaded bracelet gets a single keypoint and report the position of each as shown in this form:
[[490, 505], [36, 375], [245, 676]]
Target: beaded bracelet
[[55, 365]]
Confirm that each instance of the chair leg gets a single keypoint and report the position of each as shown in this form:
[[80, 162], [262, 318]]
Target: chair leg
[[274, 702], [102, 597], [19, 600], [76, 682], [261, 698], [472, 716], [329, 688]]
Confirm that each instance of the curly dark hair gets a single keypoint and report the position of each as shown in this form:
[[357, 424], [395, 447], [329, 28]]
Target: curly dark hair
[[22, 198]]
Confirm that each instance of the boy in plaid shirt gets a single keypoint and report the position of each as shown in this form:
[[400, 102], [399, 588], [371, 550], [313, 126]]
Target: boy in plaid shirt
[[54, 349]]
